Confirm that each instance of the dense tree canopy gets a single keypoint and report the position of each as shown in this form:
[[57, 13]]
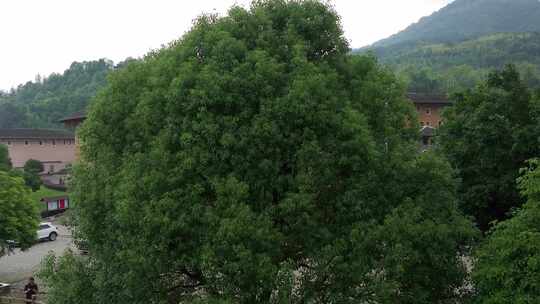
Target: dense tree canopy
[[508, 267], [256, 161], [30, 174], [488, 135], [32, 169], [18, 214]]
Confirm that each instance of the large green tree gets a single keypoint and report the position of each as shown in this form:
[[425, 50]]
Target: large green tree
[[508, 263], [32, 169], [33, 166], [256, 161], [488, 135], [18, 214]]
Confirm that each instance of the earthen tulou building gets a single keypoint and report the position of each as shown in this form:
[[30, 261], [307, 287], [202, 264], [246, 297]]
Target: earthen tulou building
[[429, 108], [71, 122], [55, 149]]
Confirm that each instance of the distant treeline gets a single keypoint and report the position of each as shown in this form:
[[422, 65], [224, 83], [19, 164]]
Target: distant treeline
[[42, 102], [449, 67]]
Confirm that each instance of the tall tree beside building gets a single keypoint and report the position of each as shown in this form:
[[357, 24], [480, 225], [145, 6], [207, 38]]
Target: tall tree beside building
[[32, 169], [18, 214], [256, 161], [5, 161], [33, 166], [488, 135]]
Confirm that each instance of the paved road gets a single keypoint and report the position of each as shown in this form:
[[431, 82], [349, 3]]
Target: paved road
[[20, 265]]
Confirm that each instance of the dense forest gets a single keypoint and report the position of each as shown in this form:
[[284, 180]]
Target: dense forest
[[449, 67], [457, 47], [42, 102]]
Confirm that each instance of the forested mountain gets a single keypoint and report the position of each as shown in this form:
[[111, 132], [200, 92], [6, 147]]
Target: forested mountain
[[459, 45], [489, 51], [466, 19], [41, 103], [446, 67]]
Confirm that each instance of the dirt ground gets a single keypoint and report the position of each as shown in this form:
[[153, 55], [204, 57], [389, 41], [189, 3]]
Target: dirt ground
[[22, 264]]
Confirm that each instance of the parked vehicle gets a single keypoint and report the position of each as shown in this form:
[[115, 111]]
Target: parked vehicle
[[4, 289], [47, 231]]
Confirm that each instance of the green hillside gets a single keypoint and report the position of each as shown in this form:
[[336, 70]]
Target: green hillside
[[43, 102], [491, 51], [445, 67], [459, 45], [466, 19]]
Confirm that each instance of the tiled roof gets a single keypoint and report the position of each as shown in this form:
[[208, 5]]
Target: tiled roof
[[428, 98], [75, 116], [35, 134]]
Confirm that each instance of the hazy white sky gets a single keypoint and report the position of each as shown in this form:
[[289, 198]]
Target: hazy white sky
[[45, 36]]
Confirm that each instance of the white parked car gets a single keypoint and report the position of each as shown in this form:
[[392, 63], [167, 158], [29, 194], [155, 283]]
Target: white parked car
[[47, 231]]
